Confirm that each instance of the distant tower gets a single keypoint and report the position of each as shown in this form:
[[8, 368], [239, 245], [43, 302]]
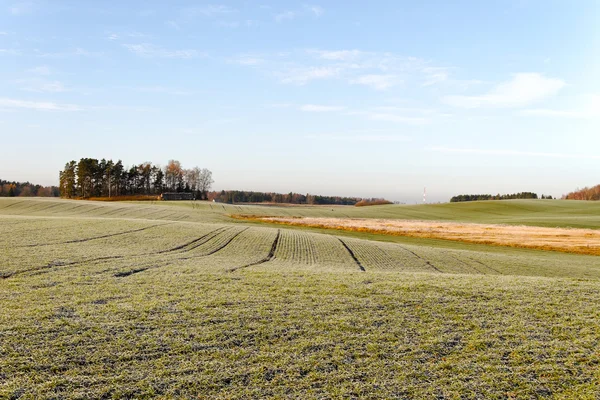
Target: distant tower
[[425, 195]]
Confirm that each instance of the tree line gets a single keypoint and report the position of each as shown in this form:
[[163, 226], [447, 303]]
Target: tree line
[[239, 196], [587, 193], [479, 197], [106, 178], [26, 189]]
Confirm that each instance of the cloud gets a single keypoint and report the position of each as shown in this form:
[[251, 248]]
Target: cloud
[[3, 33], [150, 51], [339, 55], [301, 76], [163, 89], [9, 51], [315, 10], [173, 25], [210, 10], [113, 36], [511, 153], [41, 86], [75, 52], [21, 8], [37, 105], [389, 117], [377, 82], [521, 90], [434, 75], [286, 15], [377, 70], [360, 138], [228, 24], [41, 70], [320, 108], [589, 109], [247, 59]]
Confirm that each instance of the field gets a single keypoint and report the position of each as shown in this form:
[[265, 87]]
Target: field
[[140, 300], [569, 240]]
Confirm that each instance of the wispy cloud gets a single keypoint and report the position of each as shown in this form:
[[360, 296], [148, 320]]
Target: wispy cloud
[[150, 51], [338, 55], [286, 15], [228, 24], [359, 138], [41, 85], [279, 105], [3, 33], [434, 75], [377, 70], [120, 35], [77, 52], [377, 82], [320, 108], [163, 89], [301, 76], [398, 118], [21, 8], [210, 10], [173, 25], [37, 105], [511, 153], [317, 11], [247, 59], [523, 89], [589, 109], [9, 51]]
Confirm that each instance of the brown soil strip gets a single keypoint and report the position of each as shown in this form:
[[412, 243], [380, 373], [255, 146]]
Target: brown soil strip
[[568, 240]]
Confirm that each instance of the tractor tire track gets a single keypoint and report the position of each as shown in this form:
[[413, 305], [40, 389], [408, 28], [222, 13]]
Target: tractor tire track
[[462, 262], [47, 207], [13, 204], [218, 248], [196, 242], [268, 258], [130, 271], [352, 255], [422, 259], [113, 211], [53, 264], [67, 209], [484, 265], [95, 237]]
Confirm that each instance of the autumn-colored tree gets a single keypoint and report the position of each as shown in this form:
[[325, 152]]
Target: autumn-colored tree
[[173, 175]]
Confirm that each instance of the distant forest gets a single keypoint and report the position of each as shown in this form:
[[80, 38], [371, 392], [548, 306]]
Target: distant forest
[[237, 196], [586, 193], [479, 197], [26, 189], [92, 178]]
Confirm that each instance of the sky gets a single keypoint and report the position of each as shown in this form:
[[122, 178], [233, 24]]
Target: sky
[[353, 98]]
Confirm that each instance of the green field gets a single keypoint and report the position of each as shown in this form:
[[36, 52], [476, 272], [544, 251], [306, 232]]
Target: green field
[[140, 300]]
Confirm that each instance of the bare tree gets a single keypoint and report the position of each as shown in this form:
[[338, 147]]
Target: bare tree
[[192, 177], [205, 181]]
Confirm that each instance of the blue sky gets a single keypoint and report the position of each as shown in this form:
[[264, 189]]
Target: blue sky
[[357, 98]]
